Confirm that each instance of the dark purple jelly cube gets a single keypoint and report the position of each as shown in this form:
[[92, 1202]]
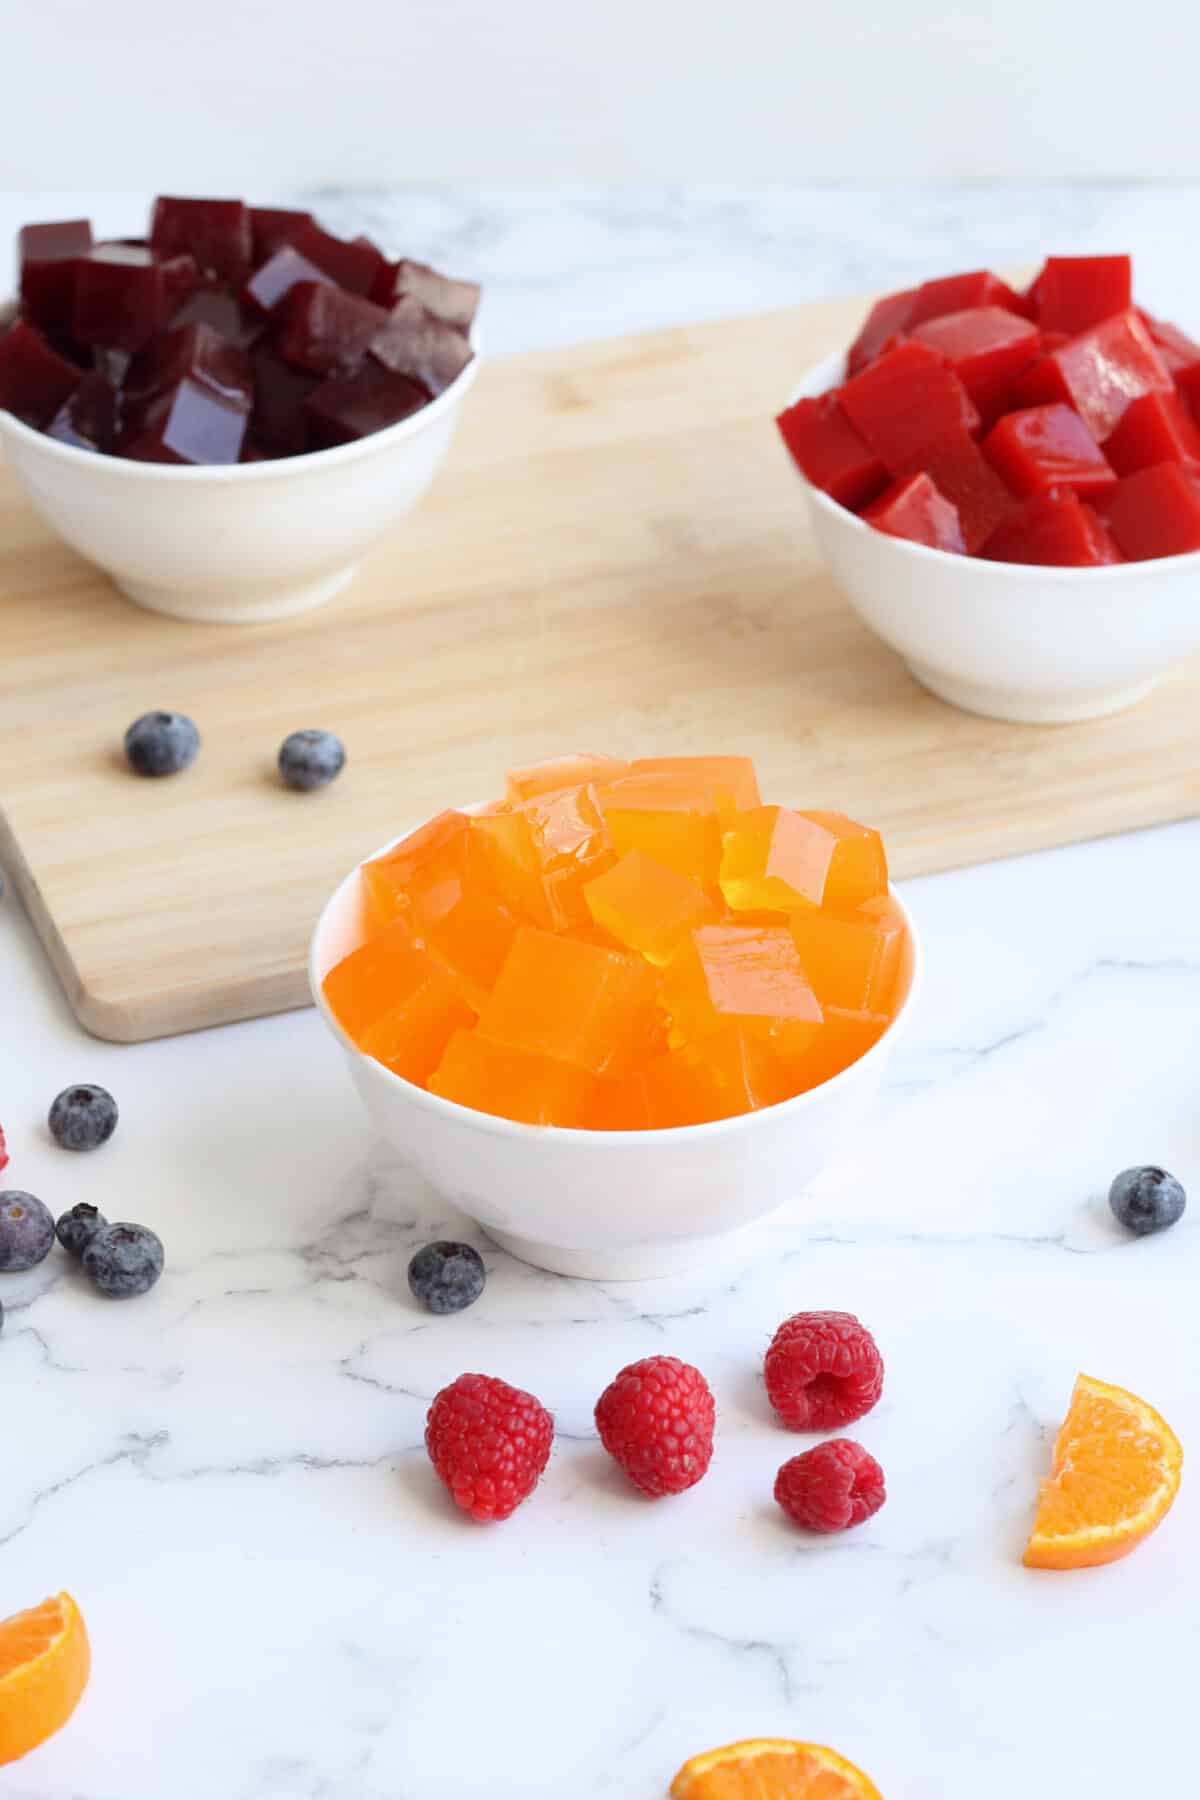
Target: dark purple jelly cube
[[323, 329], [195, 352], [277, 276], [181, 278], [456, 302], [88, 418], [253, 450], [216, 232], [213, 306], [414, 342], [47, 255], [354, 266], [35, 381], [190, 423], [278, 419], [120, 297], [272, 226], [348, 407]]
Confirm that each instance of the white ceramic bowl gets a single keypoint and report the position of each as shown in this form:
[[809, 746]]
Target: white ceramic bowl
[[607, 1205], [239, 544], [1034, 645]]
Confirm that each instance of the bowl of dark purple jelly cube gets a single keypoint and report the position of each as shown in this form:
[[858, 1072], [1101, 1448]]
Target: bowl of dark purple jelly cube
[[226, 414]]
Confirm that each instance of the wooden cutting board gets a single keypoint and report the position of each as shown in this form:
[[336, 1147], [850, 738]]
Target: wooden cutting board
[[616, 557]]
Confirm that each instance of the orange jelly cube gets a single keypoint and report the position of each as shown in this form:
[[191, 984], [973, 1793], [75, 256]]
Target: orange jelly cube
[[573, 1002], [561, 772], [514, 1084], [851, 959], [782, 860], [845, 1036], [670, 816], [749, 976], [647, 906], [389, 880], [542, 852], [397, 1001], [731, 1072], [731, 779]]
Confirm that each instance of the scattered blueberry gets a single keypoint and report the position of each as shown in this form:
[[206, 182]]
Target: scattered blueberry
[[1147, 1199], [76, 1229], [446, 1277], [26, 1231], [311, 759], [83, 1117], [123, 1260], [161, 743]]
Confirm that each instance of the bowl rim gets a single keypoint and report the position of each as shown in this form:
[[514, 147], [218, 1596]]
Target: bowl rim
[[273, 468], [824, 372], [492, 1124]]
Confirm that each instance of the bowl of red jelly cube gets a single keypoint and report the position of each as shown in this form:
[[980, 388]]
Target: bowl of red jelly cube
[[227, 413], [1006, 485], [626, 1011]]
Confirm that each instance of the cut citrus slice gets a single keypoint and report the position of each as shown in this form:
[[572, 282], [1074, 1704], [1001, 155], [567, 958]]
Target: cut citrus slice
[[1117, 1467], [45, 1662], [772, 1769]]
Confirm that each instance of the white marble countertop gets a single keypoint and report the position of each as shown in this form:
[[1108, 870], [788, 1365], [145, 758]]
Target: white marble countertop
[[229, 1475]]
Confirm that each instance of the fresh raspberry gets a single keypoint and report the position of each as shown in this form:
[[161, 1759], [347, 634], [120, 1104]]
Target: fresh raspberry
[[489, 1444], [656, 1419], [834, 1486], [823, 1370]]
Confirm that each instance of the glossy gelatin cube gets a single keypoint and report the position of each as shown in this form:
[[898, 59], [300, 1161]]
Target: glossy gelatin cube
[[224, 312], [1098, 373], [732, 780], [1076, 292], [779, 860], [1179, 352], [216, 233], [397, 1002], [1056, 528], [745, 976], [271, 226], [88, 418], [456, 302], [511, 1083], [46, 259], [844, 1037], [888, 318], [190, 423], [348, 407], [415, 342], [542, 852], [574, 1003], [672, 817], [35, 381], [415, 864], [648, 907], [733, 1071], [916, 509], [319, 328], [1156, 512], [617, 1103], [560, 772], [1156, 428], [959, 470], [986, 347], [196, 353], [904, 401], [955, 293], [1047, 446], [828, 450], [277, 418], [122, 297], [354, 265], [507, 851], [851, 959], [275, 278]]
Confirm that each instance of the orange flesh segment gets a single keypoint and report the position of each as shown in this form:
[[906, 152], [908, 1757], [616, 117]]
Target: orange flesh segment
[[45, 1661], [772, 1769], [851, 959], [574, 1003], [1116, 1471], [776, 858], [513, 1084], [647, 906], [746, 976], [670, 817], [398, 1002], [731, 779], [560, 772]]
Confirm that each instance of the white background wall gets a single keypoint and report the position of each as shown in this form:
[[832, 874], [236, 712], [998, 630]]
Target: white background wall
[[240, 94]]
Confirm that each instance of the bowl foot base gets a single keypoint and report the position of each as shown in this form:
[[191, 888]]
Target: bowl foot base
[[630, 1262], [1019, 708], [238, 606]]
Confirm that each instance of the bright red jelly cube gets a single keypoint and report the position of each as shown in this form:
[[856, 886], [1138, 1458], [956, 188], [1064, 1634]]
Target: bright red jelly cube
[[271, 226], [122, 297], [828, 450], [46, 256], [278, 421], [324, 330], [960, 471], [356, 266], [888, 318], [35, 381], [88, 417], [1047, 446], [1098, 373], [1056, 528], [456, 302], [1179, 352], [216, 233], [916, 509], [1076, 292], [275, 278], [1156, 512], [415, 342], [1156, 428], [189, 423], [986, 347], [956, 293], [906, 399], [347, 407]]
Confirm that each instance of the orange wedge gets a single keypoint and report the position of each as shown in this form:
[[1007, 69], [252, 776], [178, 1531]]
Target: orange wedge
[[45, 1662], [1117, 1467], [772, 1769]]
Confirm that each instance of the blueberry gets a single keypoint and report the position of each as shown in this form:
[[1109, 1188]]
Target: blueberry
[[26, 1231], [76, 1229], [123, 1260], [83, 1117], [311, 759], [161, 743], [1147, 1199], [446, 1277]]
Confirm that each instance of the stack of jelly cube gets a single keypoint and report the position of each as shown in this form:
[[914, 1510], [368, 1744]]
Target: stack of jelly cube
[[625, 946]]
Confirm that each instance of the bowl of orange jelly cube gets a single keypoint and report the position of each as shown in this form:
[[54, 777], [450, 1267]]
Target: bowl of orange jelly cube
[[624, 1012]]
